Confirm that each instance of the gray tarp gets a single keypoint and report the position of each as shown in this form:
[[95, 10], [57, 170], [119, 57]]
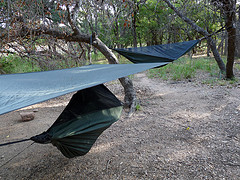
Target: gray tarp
[[21, 90]]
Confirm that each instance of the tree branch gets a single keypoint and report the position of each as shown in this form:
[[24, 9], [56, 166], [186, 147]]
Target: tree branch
[[187, 20], [203, 32]]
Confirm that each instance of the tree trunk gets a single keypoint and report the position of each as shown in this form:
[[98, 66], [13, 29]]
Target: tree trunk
[[208, 50], [231, 53], [217, 57], [203, 32], [230, 17], [130, 95], [140, 41]]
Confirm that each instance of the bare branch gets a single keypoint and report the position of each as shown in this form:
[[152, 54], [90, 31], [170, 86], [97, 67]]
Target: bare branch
[[72, 24]]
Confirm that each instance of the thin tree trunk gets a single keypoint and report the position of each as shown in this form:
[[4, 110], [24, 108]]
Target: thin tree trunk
[[237, 53], [208, 51], [140, 41], [220, 46], [217, 57], [134, 25], [225, 46]]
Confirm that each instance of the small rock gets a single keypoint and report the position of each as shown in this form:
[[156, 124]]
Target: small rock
[[27, 116], [35, 110]]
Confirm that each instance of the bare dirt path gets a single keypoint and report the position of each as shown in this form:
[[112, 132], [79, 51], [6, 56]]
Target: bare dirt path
[[184, 130]]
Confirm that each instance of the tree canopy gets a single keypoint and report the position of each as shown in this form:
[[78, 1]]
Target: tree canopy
[[57, 34]]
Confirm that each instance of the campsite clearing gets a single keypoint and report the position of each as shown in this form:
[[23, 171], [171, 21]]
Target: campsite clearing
[[183, 130]]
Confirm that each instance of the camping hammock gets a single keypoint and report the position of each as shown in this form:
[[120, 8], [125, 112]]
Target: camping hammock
[[88, 114], [93, 108]]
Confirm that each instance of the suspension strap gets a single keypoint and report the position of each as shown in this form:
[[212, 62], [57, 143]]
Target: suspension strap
[[221, 29], [16, 155], [14, 142]]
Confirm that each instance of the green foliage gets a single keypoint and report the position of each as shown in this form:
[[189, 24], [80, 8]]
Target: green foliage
[[14, 64], [3, 3], [138, 107], [221, 82], [187, 68], [178, 70], [156, 23], [233, 81]]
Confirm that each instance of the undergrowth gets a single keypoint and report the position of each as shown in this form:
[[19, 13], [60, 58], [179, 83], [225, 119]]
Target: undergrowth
[[14, 64], [187, 68]]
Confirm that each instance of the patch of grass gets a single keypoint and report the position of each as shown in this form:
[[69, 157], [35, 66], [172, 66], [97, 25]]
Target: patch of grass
[[99, 58], [138, 107], [237, 66], [186, 68], [233, 81], [210, 81], [131, 76], [174, 71], [123, 60], [221, 82]]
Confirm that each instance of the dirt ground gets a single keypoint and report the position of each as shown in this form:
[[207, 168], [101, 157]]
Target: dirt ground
[[183, 130]]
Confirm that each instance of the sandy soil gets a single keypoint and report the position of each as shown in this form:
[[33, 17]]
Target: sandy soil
[[184, 130]]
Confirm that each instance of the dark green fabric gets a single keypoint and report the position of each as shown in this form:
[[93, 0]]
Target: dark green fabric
[[76, 137], [157, 53], [89, 112], [88, 100]]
